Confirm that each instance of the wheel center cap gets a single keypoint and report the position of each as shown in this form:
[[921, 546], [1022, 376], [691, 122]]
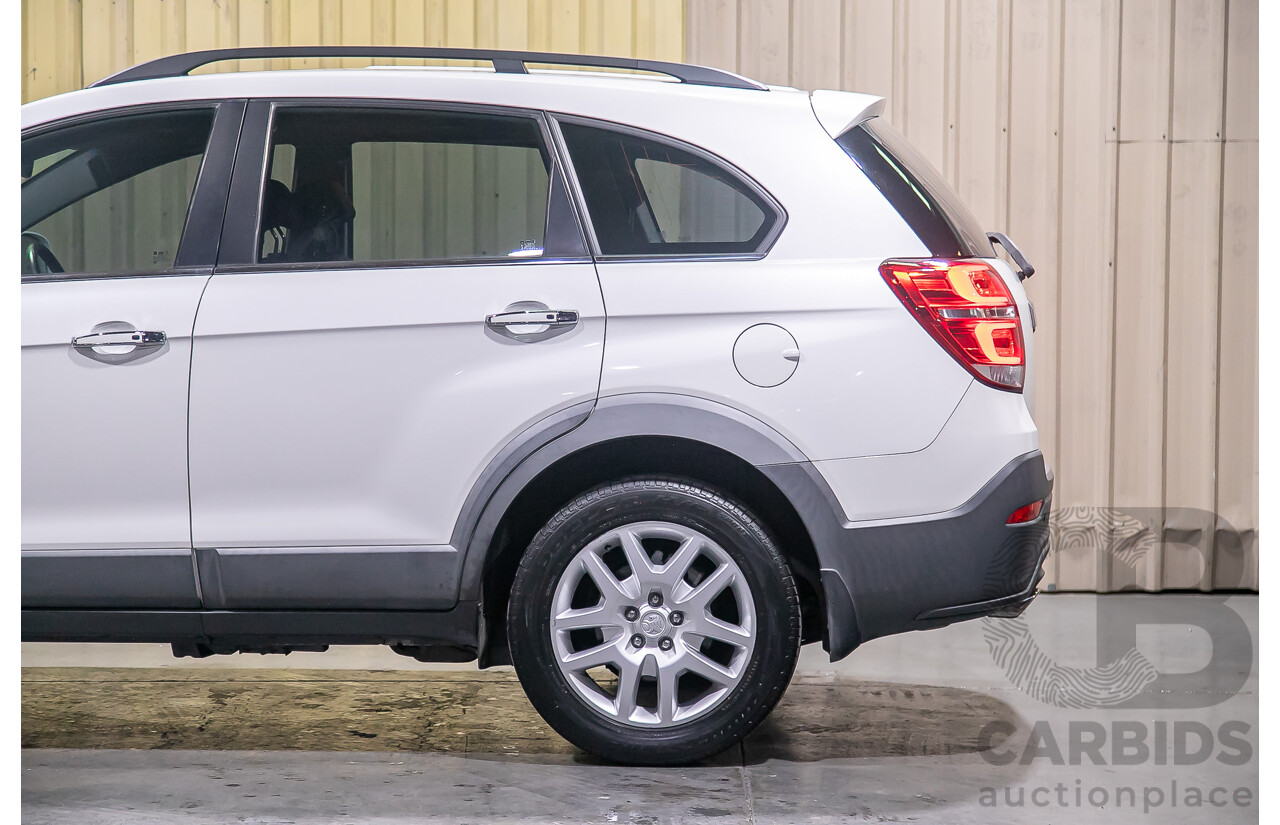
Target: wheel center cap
[[653, 624]]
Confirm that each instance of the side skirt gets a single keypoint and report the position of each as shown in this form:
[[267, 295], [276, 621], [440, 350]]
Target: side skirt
[[414, 633]]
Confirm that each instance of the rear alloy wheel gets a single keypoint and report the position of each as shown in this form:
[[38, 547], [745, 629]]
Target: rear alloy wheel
[[653, 622]]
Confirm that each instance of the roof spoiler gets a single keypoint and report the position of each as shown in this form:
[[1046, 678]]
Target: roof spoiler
[[838, 112]]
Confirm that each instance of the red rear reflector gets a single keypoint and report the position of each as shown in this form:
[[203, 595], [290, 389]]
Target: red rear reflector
[[966, 307], [1029, 513]]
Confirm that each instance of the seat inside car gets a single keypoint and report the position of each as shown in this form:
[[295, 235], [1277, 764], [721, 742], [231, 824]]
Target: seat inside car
[[278, 221], [324, 216]]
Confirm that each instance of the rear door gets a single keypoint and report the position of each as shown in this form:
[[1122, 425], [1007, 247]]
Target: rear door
[[116, 252], [349, 384]]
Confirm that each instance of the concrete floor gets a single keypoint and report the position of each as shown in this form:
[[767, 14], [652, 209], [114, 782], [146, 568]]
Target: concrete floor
[[899, 731]]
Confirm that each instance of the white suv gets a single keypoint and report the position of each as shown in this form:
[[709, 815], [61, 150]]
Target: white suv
[[636, 383]]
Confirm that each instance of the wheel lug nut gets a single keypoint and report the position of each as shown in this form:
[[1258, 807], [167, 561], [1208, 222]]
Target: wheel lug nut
[[664, 643], [637, 640], [677, 618], [655, 599], [631, 614]]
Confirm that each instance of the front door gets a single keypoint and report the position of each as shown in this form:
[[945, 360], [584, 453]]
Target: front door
[[111, 283], [387, 338]]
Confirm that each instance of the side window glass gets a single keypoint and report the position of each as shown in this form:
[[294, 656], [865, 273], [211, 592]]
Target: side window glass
[[647, 197], [393, 184], [111, 196]]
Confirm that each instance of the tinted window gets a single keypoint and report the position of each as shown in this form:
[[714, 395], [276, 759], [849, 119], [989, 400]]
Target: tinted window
[[356, 184], [915, 189], [647, 197], [111, 196]]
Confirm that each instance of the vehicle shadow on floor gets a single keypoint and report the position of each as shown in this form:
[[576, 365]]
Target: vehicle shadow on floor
[[851, 719], [471, 713]]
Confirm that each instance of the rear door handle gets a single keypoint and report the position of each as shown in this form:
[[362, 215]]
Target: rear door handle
[[138, 338], [533, 317]]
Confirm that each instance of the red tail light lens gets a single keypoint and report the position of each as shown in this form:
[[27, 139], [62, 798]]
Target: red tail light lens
[[1023, 514], [967, 308]]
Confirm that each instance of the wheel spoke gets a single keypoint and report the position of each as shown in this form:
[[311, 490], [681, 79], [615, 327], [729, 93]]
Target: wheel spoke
[[710, 627], [668, 698], [585, 618], [637, 559], [603, 654], [628, 684], [613, 590], [699, 597], [713, 672], [678, 564]]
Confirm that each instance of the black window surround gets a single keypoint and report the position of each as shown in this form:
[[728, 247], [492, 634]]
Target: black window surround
[[775, 211], [916, 192], [198, 246], [230, 185], [563, 242]]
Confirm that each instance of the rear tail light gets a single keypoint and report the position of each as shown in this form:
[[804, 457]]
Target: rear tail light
[[966, 307], [1024, 514]]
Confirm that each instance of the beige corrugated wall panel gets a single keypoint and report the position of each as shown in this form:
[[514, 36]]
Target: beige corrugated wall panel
[[717, 25], [1242, 71], [764, 31], [980, 115], [816, 60], [924, 116], [870, 34], [1085, 276], [1142, 235], [1191, 340], [1235, 558], [1236, 545], [1192, 353], [1137, 469], [1032, 211], [1122, 156]]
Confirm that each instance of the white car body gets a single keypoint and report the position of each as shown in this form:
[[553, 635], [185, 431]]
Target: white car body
[[358, 432], [371, 490]]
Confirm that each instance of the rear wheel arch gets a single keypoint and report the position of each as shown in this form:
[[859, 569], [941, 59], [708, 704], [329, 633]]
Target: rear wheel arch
[[680, 437]]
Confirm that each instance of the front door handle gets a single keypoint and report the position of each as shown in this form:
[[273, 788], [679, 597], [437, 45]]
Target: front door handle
[[140, 339], [533, 317]]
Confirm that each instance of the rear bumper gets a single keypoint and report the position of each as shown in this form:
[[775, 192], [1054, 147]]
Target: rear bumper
[[885, 577]]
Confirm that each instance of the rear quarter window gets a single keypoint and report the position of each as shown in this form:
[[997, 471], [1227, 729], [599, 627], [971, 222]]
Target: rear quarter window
[[916, 190], [647, 197]]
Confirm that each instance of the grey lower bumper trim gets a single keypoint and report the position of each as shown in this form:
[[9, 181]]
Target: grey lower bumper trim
[[913, 575]]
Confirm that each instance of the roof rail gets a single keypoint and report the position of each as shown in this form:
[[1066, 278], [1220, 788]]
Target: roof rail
[[504, 62]]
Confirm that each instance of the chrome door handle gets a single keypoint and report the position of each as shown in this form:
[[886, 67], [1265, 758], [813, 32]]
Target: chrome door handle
[[119, 338], [533, 317]]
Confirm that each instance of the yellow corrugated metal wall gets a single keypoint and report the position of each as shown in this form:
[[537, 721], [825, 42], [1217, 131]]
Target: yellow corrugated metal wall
[[1117, 142], [68, 44]]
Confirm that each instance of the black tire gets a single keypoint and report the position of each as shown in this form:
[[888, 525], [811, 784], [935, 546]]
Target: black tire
[[773, 592]]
